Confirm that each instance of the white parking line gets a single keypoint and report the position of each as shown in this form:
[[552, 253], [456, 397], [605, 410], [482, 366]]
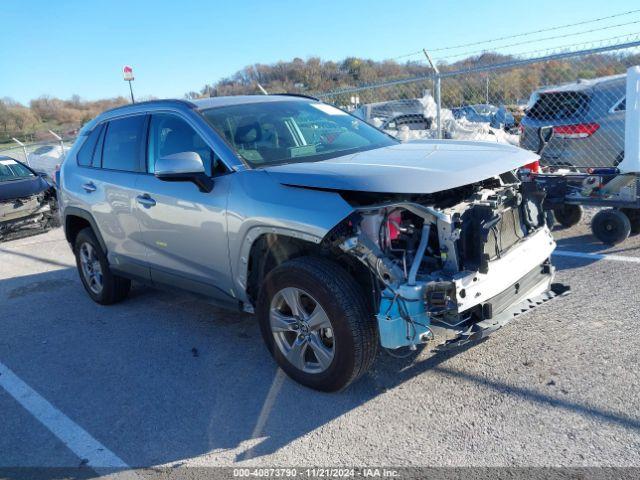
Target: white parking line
[[596, 256], [71, 434], [267, 406]]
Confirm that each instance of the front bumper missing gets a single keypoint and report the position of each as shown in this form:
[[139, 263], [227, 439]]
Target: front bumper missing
[[484, 328]]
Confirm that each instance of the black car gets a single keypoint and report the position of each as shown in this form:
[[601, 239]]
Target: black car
[[28, 203]]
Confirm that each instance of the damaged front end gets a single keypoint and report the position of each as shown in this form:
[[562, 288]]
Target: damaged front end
[[452, 266], [30, 215]]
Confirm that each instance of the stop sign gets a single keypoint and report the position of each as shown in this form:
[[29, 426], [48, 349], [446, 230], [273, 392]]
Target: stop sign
[[127, 72]]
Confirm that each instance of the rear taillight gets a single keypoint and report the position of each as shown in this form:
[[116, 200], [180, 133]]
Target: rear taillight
[[580, 130]]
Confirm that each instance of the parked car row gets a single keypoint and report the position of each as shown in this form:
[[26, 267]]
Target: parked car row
[[497, 117], [584, 121]]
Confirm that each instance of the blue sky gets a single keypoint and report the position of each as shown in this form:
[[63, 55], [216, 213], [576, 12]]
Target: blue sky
[[67, 47]]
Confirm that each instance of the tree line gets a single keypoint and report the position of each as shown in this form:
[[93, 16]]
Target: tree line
[[30, 123], [314, 75]]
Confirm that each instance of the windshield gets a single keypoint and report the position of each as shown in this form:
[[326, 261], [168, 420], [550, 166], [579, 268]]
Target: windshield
[[12, 170], [268, 133]]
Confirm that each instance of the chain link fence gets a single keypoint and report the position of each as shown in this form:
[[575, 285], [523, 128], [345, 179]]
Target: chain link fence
[[42, 156], [568, 105]]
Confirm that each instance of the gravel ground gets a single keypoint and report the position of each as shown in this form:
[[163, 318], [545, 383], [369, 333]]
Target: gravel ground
[[165, 380]]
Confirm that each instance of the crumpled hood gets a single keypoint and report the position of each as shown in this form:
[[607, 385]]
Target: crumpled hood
[[11, 190], [422, 167]]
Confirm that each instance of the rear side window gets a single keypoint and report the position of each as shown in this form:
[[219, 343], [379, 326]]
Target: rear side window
[[86, 154], [123, 144], [559, 105]]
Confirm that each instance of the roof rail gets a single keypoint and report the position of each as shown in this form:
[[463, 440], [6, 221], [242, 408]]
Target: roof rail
[[153, 102], [302, 95]]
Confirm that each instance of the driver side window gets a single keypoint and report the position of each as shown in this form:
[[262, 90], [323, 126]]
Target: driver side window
[[169, 134]]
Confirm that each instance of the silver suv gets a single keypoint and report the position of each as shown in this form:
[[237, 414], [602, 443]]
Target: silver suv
[[340, 238], [587, 121]]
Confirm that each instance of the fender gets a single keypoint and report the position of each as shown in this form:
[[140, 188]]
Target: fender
[[259, 205], [252, 236], [78, 212]]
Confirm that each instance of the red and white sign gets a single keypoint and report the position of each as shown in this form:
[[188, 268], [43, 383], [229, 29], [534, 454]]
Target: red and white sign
[[127, 72]]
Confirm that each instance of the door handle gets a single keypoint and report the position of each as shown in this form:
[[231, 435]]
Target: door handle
[[89, 187], [145, 200]]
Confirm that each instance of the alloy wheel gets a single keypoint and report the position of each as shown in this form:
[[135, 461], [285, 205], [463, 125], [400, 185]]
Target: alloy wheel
[[302, 330], [91, 269]]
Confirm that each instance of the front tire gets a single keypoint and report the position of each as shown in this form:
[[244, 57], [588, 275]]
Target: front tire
[[316, 324], [101, 284]]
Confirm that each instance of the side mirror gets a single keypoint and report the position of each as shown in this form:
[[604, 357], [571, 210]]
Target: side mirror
[[183, 167]]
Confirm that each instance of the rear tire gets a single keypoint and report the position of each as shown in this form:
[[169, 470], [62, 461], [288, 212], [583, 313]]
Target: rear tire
[[568, 215], [611, 226], [351, 335], [101, 284]]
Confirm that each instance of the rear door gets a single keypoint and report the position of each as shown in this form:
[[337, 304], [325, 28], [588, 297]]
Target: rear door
[[113, 161], [183, 229]]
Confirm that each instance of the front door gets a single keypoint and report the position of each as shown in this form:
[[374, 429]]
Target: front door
[[184, 229]]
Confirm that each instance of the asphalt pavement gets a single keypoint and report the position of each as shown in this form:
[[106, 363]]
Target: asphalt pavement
[[163, 379]]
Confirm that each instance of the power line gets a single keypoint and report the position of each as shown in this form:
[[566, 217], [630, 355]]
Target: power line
[[518, 35], [628, 37], [548, 51], [408, 55], [535, 32], [555, 37]]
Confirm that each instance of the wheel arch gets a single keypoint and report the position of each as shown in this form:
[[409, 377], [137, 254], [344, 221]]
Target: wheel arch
[[266, 248], [271, 248], [76, 219]]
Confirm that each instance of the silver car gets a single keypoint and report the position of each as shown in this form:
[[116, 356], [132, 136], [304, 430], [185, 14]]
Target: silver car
[[338, 237], [587, 121]]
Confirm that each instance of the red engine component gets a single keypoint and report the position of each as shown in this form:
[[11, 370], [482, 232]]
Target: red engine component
[[394, 219]]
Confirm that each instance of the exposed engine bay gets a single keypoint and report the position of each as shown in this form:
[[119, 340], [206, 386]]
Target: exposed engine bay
[[453, 265], [25, 216]]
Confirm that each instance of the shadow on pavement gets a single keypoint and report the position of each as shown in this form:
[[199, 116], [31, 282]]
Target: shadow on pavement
[[159, 378]]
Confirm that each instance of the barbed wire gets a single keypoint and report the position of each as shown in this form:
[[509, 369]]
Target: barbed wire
[[541, 52], [497, 39], [555, 37]]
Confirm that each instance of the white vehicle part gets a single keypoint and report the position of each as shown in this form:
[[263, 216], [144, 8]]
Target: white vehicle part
[[617, 183], [631, 162], [503, 272]]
